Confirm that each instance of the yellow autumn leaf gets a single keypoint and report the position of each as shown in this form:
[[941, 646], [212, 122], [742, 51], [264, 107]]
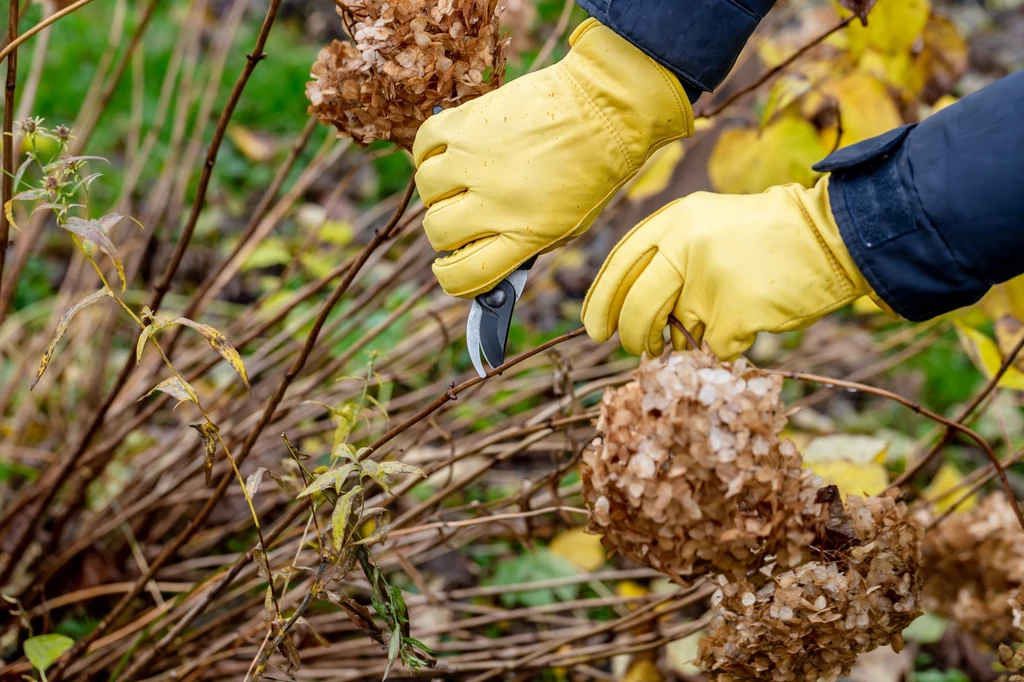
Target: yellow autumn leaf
[[257, 147], [630, 588], [579, 547], [643, 670], [865, 107], [748, 161], [853, 463], [1009, 331], [946, 479], [1004, 299], [893, 26], [786, 90], [985, 355], [656, 174]]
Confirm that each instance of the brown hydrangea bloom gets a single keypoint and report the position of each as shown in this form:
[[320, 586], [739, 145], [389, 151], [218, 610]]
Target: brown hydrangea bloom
[[688, 473], [405, 57], [811, 622], [976, 570]]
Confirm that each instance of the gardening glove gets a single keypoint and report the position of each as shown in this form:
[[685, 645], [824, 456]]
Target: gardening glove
[[727, 267], [529, 166]]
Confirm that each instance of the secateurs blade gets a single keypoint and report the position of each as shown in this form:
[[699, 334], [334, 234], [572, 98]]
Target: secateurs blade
[[490, 317]]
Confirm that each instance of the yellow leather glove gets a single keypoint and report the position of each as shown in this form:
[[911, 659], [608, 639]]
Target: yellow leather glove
[[529, 166], [728, 267]]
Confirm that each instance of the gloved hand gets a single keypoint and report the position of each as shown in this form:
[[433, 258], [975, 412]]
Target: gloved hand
[[727, 267], [529, 166]]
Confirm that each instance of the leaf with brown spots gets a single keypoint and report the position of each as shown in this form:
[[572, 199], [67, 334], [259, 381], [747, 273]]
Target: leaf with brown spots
[[220, 344], [208, 431], [341, 518], [62, 327], [176, 388]]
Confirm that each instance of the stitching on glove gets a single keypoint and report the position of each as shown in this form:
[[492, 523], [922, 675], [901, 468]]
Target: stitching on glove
[[836, 266], [604, 119], [687, 129]]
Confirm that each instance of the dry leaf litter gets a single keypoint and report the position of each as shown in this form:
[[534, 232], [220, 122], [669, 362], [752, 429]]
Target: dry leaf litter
[[404, 58], [688, 474], [975, 565]]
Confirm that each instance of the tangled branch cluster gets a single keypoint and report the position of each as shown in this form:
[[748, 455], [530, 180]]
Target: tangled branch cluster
[[689, 475], [976, 570], [405, 58]]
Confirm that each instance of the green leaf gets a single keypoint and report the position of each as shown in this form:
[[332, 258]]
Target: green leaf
[[333, 478], [42, 650], [62, 327], [341, 517]]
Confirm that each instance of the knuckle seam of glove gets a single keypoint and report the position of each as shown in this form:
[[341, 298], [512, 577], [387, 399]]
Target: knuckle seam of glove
[[619, 142], [833, 262], [675, 90]]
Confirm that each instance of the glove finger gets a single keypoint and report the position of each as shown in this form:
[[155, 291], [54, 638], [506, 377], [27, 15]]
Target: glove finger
[[477, 267], [435, 135], [645, 310], [442, 177], [624, 264], [726, 341], [455, 223]]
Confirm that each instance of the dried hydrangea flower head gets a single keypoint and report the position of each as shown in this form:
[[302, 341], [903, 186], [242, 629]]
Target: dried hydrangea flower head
[[975, 565], [405, 57], [811, 622], [688, 473]]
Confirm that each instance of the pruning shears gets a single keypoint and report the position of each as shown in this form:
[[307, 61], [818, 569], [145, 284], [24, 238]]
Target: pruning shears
[[490, 318], [490, 315]]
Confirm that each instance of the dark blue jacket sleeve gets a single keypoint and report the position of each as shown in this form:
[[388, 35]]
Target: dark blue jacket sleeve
[[933, 213], [698, 40]]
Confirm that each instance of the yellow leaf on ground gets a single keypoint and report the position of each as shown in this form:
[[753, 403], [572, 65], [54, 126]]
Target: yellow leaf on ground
[[643, 670], [746, 161], [985, 355], [579, 547], [865, 108], [257, 147], [946, 479], [893, 26], [630, 588], [854, 463], [656, 174]]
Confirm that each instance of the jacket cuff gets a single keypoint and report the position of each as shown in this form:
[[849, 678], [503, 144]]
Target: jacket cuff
[[697, 40], [887, 232]]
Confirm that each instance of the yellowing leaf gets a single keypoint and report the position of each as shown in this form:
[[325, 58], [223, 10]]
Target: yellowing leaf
[[62, 327], [893, 26], [580, 548], [341, 517], [1004, 299], [854, 463], [257, 147], [219, 344], [176, 388], [854, 448], [642, 670], [746, 161], [331, 479], [943, 58], [852, 478], [946, 479], [786, 90], [209, 432], [656, 174], [986, 356], [865, 108], [95, 231]]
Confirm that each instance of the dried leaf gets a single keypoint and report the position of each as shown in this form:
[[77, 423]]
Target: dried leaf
[[361, 618], [62, 327], [219, 344], [208, 431], [320, 639], [95, 232], [341, 517], [262, 567], [379, 535], [176, 388], [252, 484], [290, 652], [333, 478], [140, 345]]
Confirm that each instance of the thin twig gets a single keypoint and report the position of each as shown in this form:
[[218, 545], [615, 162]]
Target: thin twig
[[8, 136]]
